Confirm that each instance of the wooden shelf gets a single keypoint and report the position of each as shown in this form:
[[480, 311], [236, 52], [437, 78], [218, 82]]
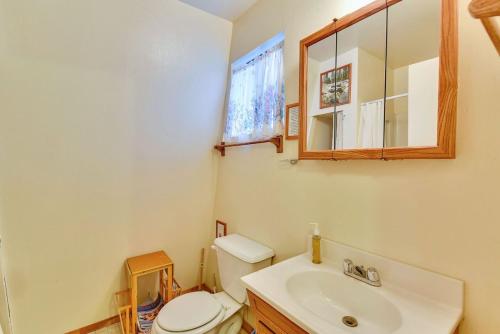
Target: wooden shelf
[[142, 264], [138, 266], [486, 11], [276, 141]]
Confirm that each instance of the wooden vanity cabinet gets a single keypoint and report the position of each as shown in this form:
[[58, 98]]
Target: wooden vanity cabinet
[[270, 321]]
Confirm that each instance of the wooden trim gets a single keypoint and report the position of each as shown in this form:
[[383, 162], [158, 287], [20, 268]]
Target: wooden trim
[[287, 120], [357, 154], [276, 141], [204, 287], [447, 95], [96, 326], [217, 222], [485, 10]]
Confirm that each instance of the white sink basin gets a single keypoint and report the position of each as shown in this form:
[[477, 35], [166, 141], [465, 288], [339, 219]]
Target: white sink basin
[[331, 297], [317, 297]]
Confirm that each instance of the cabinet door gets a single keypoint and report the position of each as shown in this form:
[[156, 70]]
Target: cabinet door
[[265, 326], [317, 121], [269, 320], [411, 116], [359, 89]]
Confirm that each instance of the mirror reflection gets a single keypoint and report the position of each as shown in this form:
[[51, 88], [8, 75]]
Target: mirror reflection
[[375, 84], [321, 94], [412, 73], [362, 46], [346, 80]]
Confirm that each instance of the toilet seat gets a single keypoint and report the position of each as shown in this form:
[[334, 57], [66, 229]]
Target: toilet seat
[[192, 313]]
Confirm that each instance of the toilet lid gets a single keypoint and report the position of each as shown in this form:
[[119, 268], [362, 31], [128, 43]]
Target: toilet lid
[[189, 311]]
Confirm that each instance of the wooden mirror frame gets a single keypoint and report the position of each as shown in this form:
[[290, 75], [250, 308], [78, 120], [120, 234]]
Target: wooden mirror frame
[[447, 95]]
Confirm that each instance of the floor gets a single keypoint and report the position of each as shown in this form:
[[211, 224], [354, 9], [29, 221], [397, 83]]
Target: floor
[[114, 329]]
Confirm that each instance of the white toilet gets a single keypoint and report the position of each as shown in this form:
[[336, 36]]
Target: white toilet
[[204, 313]]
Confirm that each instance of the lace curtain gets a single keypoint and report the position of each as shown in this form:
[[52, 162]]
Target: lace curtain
[[256, 99]]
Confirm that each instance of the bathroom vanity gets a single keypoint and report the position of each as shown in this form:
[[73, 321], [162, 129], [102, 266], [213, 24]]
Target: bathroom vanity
[[297, 296]]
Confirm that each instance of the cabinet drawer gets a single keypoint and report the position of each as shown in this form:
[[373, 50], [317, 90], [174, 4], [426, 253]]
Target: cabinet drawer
[[269, 320]]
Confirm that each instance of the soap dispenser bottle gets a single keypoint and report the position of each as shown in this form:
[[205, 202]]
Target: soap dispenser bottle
[[316, 245]]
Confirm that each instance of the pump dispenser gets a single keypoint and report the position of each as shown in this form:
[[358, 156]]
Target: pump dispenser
[[316, 244]]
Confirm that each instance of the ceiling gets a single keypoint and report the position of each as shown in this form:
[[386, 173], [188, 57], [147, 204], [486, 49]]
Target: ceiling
[[227, 9]]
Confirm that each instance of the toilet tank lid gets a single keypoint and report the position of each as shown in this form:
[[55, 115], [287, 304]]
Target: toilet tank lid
[[243, 248]]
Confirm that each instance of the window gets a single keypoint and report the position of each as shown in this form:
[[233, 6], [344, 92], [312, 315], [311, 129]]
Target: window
[[256, 98]]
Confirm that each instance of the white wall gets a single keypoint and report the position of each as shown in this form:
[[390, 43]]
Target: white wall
[[423, 81], [436, 214], [108, 114]]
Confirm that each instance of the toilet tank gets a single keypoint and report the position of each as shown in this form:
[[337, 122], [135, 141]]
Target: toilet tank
[[238, 256]]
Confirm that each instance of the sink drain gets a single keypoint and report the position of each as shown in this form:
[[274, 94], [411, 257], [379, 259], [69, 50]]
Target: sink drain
[[350, 321]]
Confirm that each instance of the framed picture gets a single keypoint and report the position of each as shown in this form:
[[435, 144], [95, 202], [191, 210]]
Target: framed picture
[[292, 121], [335, 91], [220, 229]]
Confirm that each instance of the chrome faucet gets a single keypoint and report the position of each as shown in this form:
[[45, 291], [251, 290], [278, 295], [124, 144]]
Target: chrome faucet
[[369, 276]]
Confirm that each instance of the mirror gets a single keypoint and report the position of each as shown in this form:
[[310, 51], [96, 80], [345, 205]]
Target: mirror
[[381, 83], [411, 116], [320, 94], [362, 47], [346, 105]]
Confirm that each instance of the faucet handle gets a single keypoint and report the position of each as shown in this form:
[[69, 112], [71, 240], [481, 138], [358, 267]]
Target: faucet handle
[[372, 275], [348, 266]]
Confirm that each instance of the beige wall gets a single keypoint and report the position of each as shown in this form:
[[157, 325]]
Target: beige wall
[[5, 322], [438, 215], [108, 114]]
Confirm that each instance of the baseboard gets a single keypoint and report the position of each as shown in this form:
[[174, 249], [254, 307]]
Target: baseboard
[[96, 326], [195, 288], [116, 319]]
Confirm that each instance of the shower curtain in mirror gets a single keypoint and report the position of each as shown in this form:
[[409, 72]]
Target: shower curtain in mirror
[[256, 99], [371, 127]]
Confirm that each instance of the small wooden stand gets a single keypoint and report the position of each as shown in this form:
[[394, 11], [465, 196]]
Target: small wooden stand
[[147, 264]]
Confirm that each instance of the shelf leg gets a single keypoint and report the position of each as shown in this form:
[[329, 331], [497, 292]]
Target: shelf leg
[[170, 281], [127, 321], [133, 298], [162, 286]]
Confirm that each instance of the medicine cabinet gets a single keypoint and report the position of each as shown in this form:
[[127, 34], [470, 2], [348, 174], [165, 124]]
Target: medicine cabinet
[[381, 83]]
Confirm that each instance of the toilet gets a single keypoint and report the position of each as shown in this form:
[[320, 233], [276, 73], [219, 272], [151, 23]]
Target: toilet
[[204, 313]]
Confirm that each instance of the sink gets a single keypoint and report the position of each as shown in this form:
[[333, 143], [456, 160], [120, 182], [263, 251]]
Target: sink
[[333, 296], [321, 299]]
